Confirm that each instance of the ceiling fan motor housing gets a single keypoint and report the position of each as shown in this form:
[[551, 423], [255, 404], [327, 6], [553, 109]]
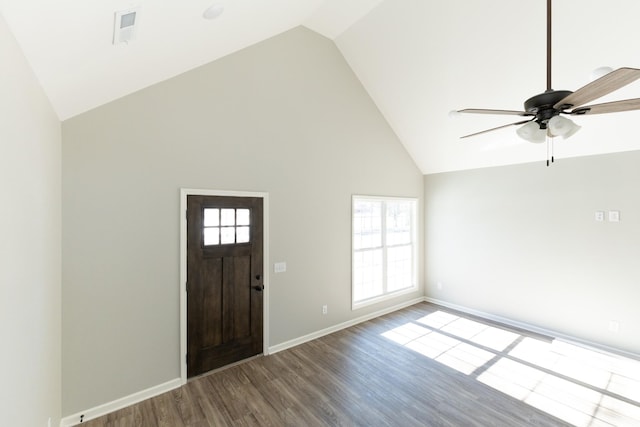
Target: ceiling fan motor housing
[[542, 105]]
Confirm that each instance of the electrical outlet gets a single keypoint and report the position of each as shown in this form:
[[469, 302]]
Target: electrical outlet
[[324, 309]]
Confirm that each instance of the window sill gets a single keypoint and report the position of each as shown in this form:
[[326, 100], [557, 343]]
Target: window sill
[[375, 300]]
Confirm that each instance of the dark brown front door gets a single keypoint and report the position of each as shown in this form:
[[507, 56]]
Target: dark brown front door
[[224, 280]]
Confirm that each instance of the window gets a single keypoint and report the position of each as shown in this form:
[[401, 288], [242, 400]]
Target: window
[[384, 248], [226, 226]]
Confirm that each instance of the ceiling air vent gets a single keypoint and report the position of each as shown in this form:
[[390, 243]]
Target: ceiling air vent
[[125, 25]]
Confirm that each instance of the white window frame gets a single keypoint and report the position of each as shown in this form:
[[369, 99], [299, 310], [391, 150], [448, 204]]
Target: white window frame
[[386, 295]]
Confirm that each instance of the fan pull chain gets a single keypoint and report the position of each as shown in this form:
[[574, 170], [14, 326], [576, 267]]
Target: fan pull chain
[[547, 151], [550, 156]]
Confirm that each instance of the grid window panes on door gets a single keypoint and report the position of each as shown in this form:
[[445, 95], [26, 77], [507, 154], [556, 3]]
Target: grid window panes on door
[[224, 226], [384, 248]]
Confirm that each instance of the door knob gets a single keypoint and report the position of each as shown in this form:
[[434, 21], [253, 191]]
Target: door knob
[[258, 288]]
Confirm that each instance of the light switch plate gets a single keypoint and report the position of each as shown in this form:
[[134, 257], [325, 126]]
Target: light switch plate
[[279, 267], [614, 216], [599, 216]]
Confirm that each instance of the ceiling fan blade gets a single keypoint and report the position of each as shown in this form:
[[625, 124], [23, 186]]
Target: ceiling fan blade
[[609, 107], [600, 87], [503, 112], [499, 127]]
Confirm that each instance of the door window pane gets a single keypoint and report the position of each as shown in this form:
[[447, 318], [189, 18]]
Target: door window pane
[[211, 217], [228, 235], [242, 234], [211, 236], [243, 217], [228, 217]]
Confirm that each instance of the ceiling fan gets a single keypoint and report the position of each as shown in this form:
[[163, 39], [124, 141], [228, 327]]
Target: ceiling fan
[[544, 110]]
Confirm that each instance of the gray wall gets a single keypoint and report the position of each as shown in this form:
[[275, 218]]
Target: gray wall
[[286, 116], [521, 242], [29, 244]]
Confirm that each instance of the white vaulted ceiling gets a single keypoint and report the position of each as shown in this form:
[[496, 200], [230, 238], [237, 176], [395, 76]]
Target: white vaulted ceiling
[[418, 59], [69, 42]]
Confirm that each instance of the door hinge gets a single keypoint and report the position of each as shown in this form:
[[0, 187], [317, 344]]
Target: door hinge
[[186, 287]]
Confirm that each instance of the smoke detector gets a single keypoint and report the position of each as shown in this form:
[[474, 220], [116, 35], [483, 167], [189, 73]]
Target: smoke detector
[[125, 25]]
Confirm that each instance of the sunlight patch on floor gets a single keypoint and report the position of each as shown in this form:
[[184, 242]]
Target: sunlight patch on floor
[[455, 354], [495, 338], [406, 333], [563, 399], [581, 386]]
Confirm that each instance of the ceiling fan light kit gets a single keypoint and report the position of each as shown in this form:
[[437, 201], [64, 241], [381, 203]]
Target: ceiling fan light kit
[[561, 126], [544, 110], [531, 132]]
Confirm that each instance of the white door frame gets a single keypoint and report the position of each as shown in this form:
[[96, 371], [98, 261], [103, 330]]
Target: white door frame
[[184, 192]]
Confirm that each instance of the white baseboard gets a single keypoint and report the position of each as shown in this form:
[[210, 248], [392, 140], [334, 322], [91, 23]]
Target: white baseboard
[[536, 329], [107, 408], [314, 335], [123, 402]]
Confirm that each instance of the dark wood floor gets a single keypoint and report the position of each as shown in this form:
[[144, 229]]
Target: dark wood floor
[[420, 366]]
